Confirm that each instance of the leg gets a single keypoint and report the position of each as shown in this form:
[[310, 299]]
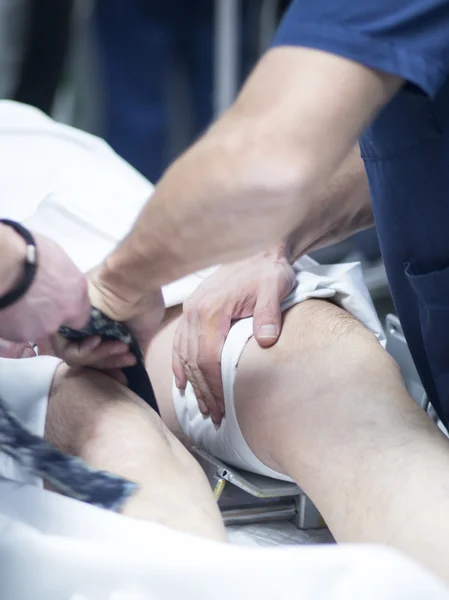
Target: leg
[[327, 406], [335, 415], [92, 416]]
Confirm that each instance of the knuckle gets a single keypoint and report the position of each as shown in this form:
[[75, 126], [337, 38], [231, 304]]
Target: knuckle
[[189, 308], [207, 306], [183, 361]]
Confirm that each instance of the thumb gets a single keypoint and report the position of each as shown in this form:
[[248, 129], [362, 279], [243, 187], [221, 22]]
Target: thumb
[[267, 318]]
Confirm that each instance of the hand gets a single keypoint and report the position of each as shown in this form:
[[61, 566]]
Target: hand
[[142, 315], [16, 349], [57, 296], [253, 287]]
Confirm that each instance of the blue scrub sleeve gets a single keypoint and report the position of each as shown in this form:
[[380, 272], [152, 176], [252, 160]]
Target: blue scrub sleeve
[[408, 38]]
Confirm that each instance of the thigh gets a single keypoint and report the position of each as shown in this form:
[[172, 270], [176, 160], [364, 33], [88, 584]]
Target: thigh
[[158, 361], [94, 417], [291, 390]]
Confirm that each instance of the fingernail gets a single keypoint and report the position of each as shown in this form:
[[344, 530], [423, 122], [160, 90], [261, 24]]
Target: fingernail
[[203, 408], [268, 331], [177, 382]]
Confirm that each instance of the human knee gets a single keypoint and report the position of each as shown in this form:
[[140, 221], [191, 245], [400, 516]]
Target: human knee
[[321, 351], [87, 408], [326, 339], [95, 417]]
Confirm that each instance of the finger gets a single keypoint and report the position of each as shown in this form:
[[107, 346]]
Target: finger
[[15, 349], [58, 345], [188, 331], [95, 349], [74, 350], [210, 347], [212, 387], [178, 370], [94, 352], [189, 349], [113, 362], [213, 328], [28, 352], [267, 317]]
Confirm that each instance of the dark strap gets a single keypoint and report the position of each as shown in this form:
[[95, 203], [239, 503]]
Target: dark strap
[[67, 474], [108, 329]]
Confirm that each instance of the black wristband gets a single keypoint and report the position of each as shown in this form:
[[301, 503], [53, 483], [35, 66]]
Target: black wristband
[[30, 265]]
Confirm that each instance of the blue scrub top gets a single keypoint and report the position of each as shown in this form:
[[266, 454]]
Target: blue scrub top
[[406, 154]]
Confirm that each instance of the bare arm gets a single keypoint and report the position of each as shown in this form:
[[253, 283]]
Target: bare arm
[[348, 194], [255, 177]]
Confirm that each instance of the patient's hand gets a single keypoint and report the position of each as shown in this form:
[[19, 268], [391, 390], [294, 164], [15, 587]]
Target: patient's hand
[[16, 349], [253, 287]]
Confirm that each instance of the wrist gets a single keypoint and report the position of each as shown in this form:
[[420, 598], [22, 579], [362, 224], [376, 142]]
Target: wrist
[[280, 251], [13, 249], [121, 291]]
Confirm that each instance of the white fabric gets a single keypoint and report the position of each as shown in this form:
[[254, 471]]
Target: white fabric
[[72, 187], [25, 386], [53, 547]]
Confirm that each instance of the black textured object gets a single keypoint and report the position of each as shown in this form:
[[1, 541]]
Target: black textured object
[[108, 329], [67, 474]]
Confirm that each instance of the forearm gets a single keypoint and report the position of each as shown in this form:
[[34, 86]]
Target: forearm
[[256, 174], [348, 193]]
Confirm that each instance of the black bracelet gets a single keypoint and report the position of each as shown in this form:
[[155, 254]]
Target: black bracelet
[[30, 265]]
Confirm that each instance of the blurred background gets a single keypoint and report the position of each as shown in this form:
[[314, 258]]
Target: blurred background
[[148, 76]]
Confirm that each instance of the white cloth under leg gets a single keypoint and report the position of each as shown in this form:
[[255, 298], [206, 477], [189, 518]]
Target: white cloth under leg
[[25, 387], [53, 547]]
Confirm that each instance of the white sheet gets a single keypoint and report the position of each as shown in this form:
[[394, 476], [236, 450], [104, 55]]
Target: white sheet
[[54, 548]]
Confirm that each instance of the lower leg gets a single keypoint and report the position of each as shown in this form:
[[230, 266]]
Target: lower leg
[[92, 416], [327, 406]]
